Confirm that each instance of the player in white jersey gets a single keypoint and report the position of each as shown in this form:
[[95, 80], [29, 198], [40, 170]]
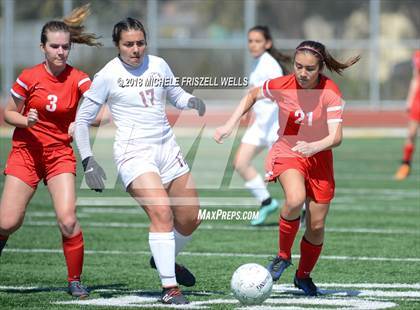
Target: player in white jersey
[[149, 160], [263, 132]]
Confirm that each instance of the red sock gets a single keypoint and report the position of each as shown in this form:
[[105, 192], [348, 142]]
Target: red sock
[[408, 152], [73, 248], [287, 234], [309, 254]]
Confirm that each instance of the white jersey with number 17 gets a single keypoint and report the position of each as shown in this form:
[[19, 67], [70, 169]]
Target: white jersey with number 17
[[136, 97]]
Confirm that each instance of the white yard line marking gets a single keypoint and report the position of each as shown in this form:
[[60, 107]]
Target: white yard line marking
[[287, 289], [236, 227], [414, 286], [350, 194], [283, 297], [219, 254], [138, 301]]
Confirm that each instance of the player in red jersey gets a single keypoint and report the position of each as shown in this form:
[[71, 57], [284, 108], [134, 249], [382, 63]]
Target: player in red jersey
[[42, 106], [413, 108], [310, 109]]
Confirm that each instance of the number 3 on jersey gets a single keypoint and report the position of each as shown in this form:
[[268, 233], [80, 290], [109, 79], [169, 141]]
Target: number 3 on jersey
[[295, 120], [52, 104]]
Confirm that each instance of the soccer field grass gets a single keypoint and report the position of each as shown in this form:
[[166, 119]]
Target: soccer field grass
[[371, 256]]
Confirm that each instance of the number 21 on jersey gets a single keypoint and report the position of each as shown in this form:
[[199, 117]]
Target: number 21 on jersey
[[295, 120]]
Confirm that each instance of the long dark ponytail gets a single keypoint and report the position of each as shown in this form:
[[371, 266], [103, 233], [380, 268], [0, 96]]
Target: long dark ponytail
[[283, 59], [319, 50]]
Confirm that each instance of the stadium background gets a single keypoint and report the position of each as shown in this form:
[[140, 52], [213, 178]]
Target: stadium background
[[372, 246]]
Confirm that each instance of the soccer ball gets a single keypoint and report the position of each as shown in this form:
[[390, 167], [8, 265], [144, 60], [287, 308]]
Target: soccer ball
[[251, 284]]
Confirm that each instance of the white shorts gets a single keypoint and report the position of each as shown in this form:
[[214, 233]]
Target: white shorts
[[263, 132], [134, 159]]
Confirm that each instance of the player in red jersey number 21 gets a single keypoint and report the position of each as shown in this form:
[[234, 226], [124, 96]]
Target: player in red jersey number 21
[[310, 119]]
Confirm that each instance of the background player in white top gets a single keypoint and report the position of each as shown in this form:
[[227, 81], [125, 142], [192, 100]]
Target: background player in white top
[[263, 132], [149, 161]]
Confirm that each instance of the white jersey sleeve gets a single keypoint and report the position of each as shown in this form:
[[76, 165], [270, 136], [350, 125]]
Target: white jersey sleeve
[[176, 95], [85, 116], [99, 89]]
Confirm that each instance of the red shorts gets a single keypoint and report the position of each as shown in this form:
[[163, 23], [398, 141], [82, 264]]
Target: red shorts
[[318, 172], [33, 164], [415, 107]]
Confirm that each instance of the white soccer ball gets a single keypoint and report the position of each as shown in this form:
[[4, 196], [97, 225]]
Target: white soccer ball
[[251, 284]]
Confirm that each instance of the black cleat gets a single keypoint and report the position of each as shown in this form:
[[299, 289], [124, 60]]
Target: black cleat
[[307, 285], [182, 274], [76, 289], [173, 296], [2, 245], [277, 266]]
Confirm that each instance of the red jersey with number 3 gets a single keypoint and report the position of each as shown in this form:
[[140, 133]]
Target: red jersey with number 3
[[304, 114], [55, 98]]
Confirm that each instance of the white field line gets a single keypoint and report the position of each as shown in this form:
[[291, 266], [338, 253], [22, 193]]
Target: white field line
[[215, 254], [142, 302], [355, 292], [335, 207], [342, 304], [238, 202], [86, 212], [232, 227], [129, 301], [276, 287], [413, 286], [343, 194], [269, 304], [284, 296], [341, 207]]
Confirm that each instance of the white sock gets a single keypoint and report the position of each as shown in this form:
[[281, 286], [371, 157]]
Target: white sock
[[162, 245], [180, 241], [258, 188]]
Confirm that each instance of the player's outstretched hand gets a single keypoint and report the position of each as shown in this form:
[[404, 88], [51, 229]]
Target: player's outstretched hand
[[94, 174], [32, 117], [197, 104], [70, 131], [221, 133]]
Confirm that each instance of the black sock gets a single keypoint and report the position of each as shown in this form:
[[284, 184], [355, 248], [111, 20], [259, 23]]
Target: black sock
[[2, 244], [266, 202]]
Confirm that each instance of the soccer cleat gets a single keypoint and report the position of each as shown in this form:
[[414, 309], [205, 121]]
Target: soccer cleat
[[277, 266], [307, 285], [402, 172], [173, 296], [264, 212], [76, 289], [182, 274]]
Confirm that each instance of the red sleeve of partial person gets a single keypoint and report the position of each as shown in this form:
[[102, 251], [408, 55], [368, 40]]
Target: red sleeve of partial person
[[20, 88], [416, 60], [84, 82], [266, 90], [335, 103], [272, 88]]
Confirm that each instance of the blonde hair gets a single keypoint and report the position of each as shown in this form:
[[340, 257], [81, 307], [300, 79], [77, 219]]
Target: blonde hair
[[73, 24]]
